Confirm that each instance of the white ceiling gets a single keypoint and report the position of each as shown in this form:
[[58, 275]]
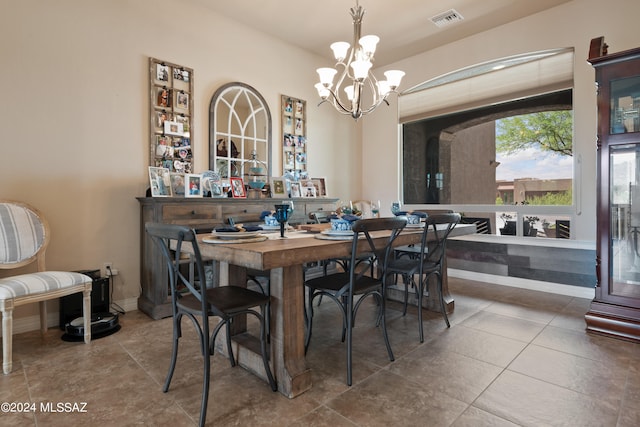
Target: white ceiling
[[403, 26]]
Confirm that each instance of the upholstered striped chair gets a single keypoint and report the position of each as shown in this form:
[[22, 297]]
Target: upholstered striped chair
[[24, 236]]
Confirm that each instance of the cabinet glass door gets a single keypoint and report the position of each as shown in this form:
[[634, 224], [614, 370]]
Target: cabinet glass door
[[625, 105], [625, 220]]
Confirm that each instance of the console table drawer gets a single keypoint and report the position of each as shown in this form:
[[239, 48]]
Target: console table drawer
[[186, 214]]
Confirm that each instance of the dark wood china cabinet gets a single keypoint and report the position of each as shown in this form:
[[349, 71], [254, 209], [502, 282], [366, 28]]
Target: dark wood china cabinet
[[615, 310]]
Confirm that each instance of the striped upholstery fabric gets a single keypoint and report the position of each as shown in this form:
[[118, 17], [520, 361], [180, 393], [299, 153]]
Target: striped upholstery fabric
[[21, 233], [35, 283]]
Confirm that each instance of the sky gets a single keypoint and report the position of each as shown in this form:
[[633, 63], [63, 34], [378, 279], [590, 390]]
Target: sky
[[532, 163]]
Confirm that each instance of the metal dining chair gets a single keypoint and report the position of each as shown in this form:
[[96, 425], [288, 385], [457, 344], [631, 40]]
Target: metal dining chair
[[342, 287], [198, 303], [426, 263]]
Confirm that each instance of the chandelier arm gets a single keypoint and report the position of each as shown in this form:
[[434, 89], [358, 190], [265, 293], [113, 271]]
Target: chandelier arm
[[337, 104]]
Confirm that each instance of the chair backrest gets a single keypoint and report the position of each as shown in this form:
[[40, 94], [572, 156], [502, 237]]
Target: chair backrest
[[319, 217], [382, 250], [170, 239], [24, 235], [246, 219], [439, 226], [434, 211]]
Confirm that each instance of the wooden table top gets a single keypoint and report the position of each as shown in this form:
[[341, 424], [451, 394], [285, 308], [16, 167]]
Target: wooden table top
[[301, 247]]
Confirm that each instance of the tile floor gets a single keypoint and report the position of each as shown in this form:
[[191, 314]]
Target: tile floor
[[511, 357]]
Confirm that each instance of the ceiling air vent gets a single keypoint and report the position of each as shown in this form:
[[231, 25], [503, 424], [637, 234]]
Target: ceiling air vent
[[446, 18]]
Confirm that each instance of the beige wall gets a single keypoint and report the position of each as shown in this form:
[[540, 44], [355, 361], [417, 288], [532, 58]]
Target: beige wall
[[572, 24], [74, 121]]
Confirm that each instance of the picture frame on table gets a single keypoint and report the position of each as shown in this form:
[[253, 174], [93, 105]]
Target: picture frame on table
[[296, 189], [177, 184], [321, 186], [309, 191], [237, 188], [278, 188], [193, 185], [159, 181]]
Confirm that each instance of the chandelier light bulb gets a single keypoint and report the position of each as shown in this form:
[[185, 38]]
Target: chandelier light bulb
[[349, 91], [368, 44], [360, 69], [394, 77], [326, 76], [322, 90], [383, 88], [340, 50]]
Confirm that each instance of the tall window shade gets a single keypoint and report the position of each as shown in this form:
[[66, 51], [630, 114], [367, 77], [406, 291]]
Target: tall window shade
[[489, 83]]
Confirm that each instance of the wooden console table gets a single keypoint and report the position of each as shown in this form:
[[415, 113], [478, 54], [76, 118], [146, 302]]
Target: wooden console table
[[202, 214]]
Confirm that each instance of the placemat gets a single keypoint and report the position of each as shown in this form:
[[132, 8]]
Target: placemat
[[234, 242], [327, 237]]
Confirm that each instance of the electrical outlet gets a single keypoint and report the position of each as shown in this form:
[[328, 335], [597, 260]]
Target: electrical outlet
[[107, 269]]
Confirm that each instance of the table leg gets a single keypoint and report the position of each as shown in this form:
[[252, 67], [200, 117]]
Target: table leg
[[287, 331]]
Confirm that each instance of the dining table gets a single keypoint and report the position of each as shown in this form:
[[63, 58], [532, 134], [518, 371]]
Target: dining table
[[285, 259]]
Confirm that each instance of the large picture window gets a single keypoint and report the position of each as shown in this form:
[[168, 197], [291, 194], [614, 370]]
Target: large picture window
[[493, 159]]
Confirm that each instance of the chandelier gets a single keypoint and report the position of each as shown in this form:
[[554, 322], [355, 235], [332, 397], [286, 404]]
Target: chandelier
[[355, 63]]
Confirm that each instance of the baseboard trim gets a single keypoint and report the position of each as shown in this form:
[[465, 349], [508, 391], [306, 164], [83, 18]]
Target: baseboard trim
[[32, 323], [516, 282]]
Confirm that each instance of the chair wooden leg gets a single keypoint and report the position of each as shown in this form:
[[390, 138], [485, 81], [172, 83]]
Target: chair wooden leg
[[7, 336], [86, 313], [43, 317]]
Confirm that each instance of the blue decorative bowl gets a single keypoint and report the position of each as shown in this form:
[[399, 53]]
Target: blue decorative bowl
[[340, 225], [257, 185]]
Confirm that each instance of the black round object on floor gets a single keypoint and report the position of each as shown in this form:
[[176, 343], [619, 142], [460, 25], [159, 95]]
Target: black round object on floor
[[102, 325]]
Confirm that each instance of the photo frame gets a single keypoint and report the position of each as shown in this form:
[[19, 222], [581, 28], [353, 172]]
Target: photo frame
[[278, 188], [237, 188], [159, 181], [173, 128], [294, 135], [309, 191], [177, 184], [163, 97], [296, 190], [159, 118], [162, 74], [193, 185], [181, 101], [321, 186], [170, 115]]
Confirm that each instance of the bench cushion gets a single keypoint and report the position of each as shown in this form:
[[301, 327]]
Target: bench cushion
[[35, 283]]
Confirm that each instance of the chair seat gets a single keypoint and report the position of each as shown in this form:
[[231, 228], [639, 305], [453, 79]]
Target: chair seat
[[42, 282], [409, 266], [339, 281], [229, 300]]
